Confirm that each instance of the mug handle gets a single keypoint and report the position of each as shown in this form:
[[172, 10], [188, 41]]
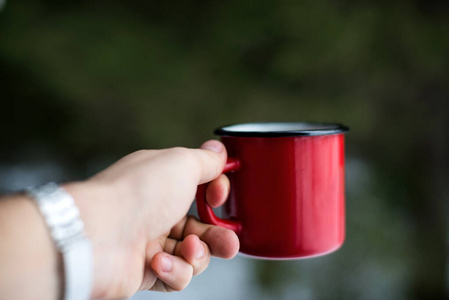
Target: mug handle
[[206, 213]]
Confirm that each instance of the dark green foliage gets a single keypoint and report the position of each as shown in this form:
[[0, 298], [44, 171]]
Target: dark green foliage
[[94, 80]]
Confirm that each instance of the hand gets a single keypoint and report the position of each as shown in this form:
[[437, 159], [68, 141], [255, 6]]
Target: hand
[[135, 215]]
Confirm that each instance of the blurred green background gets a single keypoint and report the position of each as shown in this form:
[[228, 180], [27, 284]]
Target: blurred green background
[[85, 82]]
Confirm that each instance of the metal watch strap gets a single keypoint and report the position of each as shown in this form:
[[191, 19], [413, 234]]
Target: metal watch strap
[[67, 230]]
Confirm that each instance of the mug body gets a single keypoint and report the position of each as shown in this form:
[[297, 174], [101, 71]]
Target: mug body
[[288, 194]]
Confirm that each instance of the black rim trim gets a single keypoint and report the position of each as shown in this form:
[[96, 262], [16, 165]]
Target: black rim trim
[[338, 129]]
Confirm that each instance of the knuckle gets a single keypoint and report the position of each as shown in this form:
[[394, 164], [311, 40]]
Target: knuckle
[[139, 152], [134, 155], [181, 154], [138, 155], [142, 152], [179, 151]]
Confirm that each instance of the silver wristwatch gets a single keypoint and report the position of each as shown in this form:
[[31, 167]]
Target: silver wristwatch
[[67, 230]]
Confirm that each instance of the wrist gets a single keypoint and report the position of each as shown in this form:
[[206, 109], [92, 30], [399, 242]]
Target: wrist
[[98, 209]]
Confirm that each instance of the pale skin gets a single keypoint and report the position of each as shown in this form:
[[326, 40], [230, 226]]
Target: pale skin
[[135, 214]]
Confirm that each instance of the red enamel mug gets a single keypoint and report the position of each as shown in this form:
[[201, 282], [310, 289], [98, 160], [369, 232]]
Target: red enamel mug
[[287, 188]]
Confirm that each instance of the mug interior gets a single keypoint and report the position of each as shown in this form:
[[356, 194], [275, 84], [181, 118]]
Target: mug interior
[[279, 129]]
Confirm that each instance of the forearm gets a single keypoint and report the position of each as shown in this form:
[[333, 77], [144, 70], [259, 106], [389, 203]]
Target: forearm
[[31, 267]]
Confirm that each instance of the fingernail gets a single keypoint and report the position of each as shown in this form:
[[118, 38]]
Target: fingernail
[[213, 145], [201, 252], [167, 264]]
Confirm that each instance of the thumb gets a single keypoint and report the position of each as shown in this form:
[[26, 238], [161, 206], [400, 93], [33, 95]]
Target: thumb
[[211, 158]]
